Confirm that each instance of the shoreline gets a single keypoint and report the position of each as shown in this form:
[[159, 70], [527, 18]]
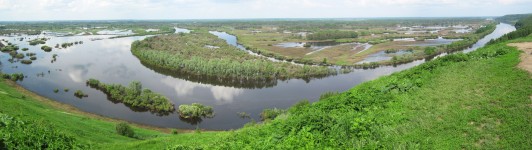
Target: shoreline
[[74, 110]]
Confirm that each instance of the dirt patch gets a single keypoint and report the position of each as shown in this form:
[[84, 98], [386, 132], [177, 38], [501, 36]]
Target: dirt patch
[[526, 57]]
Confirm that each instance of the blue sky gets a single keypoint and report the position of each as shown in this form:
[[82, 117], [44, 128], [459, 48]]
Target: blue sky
[[16, 10]]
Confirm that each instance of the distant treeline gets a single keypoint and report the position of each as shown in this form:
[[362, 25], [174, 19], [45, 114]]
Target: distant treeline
[[332, 34], [524, 28], [512, 19]]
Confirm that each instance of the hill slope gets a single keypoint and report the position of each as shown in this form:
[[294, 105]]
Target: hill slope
[[479, 100]]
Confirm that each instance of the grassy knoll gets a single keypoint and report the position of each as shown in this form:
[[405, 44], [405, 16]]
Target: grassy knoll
[[203, 54]]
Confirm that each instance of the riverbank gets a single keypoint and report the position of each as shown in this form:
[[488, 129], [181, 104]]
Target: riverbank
[[86, 127]]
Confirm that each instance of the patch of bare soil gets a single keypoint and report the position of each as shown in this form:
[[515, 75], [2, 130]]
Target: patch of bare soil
[[526, 57]]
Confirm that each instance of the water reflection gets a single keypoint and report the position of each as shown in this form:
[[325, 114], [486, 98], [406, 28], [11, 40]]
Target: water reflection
[[111, 61]]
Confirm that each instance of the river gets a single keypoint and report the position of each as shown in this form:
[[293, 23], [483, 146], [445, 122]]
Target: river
[[111, 61]]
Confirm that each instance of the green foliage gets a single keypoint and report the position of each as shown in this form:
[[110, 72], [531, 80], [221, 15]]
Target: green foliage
[[80, 94], [326, 95], [37, 41], [196, 110], [46, 48], [381, 114], [430, 51], [19, 56], [25, 49], [56, 90], [332, 34], [27, 61], [188, 54], [18, 134], [524, 28], [270, 114], [9, 48], [135, 96], [124, 129], [13, 77]]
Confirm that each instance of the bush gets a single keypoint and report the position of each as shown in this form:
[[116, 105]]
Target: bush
[[327, 95], [125, 130], [80, 94], [270, 114], [196, 110], [26, 61]]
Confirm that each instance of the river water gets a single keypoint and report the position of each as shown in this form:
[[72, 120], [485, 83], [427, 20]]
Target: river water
[[111, 61]]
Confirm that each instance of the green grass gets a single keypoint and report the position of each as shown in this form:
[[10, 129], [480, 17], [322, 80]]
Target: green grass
[[474, 101], [97, 131], [479, 100]]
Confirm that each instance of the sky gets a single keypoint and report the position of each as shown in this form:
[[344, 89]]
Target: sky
[[26, 10]]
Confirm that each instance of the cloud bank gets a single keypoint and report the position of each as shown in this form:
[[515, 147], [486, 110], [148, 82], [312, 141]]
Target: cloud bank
[[229, 9]]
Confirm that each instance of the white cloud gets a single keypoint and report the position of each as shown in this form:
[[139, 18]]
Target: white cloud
[[202, 9], [221, 94]]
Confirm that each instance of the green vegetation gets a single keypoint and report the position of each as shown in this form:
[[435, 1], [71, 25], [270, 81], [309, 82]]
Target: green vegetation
[[444, 103], [196, 110], [327, 95], [135, 96], [80, 94], [187, 53], [33, 58], [524, 28], [46, 48], [56, 90], [18, 134], [270, 114], [37, 41], [66, 45], [25, 49], [13, 77], [9, 48], [447, 103], [19, 56], [124, 129], [27, 62], [86, 129], [332, 34], [66, 90]]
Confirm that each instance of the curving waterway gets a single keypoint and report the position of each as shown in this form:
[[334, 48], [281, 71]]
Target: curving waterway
[[111, 61]]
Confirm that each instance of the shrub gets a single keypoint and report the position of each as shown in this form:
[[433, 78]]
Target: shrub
[[327, 95], [19, 56], [196, 110], [26, 61], [80, 94], [270, 114], [125, 130]]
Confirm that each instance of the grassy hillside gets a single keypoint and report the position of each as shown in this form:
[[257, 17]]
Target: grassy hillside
[[479, 100], [88, 129]]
